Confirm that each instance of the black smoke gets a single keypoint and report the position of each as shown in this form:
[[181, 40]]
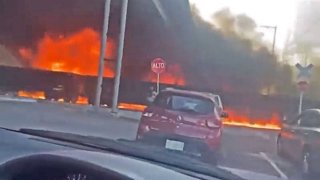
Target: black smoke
[[228, 55], [209, 57], [24, 22]]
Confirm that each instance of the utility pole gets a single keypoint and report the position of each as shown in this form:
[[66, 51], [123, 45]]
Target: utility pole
[[123, 22], [300, 102], [102, 52], [274, 39], [274, 36]]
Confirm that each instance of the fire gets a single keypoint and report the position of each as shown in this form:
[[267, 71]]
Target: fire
[[34, 94], [82, 100], [172, 75], [132, 107], [235, 119], [77, 53], [40, 95], [238, 119]]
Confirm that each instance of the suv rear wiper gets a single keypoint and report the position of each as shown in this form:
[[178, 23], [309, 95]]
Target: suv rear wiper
[[134, 149]]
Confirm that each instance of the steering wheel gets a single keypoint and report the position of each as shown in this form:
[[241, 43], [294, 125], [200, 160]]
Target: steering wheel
[[53, 167]]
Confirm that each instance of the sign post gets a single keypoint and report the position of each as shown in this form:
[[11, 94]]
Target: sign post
[[158, 66], [303, 81], [300, 102], [102, 52], [158, 83]]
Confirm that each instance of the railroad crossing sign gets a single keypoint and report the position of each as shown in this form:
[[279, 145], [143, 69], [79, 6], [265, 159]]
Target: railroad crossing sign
[[303, 78], [158, 65], [303, 81]]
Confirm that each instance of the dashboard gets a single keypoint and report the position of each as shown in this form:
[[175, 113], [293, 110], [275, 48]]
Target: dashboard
[[52, 167], [26, 157]]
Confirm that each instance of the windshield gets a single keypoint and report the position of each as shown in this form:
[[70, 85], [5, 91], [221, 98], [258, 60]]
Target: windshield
[[221, 82]]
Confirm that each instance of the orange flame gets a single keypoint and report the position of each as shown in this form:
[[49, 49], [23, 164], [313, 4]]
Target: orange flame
[[82, 100], [132, 107], [172, 75], [34, 94], [235, 119], [238, 119], [77, 53], [40, 95]]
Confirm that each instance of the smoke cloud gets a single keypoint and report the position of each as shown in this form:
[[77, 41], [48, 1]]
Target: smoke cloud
[[230, 55], [24, 22], [223, 55]]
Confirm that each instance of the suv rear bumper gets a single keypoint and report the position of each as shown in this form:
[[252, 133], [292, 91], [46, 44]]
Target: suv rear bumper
[[194, 146], [212, 140]]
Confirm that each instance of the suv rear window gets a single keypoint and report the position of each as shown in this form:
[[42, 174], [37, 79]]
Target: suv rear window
[[184, 103]]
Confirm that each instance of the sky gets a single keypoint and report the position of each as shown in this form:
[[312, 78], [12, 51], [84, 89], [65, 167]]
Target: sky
[[280, 13]]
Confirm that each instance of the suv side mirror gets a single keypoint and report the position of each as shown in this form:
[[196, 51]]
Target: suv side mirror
[[224, 114]]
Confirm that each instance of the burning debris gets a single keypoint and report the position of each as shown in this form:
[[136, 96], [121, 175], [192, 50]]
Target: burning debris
[[41, 95], [34, 95], [62, 41], [199, 55], [172, 75], [77, 53], [242, 119]]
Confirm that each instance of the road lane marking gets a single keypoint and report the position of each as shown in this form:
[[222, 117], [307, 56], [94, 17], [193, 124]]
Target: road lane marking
[[274, 165]]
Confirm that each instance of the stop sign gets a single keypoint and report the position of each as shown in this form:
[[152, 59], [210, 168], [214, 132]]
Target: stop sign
[[158, 65]]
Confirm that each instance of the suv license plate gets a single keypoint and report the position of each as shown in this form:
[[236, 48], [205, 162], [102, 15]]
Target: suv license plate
[[174, 145]]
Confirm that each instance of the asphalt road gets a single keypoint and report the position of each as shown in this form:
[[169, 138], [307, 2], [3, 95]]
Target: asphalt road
[[243, 148]]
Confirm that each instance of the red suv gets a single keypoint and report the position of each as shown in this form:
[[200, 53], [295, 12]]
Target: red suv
[[186, 121]]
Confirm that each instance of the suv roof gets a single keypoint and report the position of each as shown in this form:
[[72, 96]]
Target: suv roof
[[194, 93]]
